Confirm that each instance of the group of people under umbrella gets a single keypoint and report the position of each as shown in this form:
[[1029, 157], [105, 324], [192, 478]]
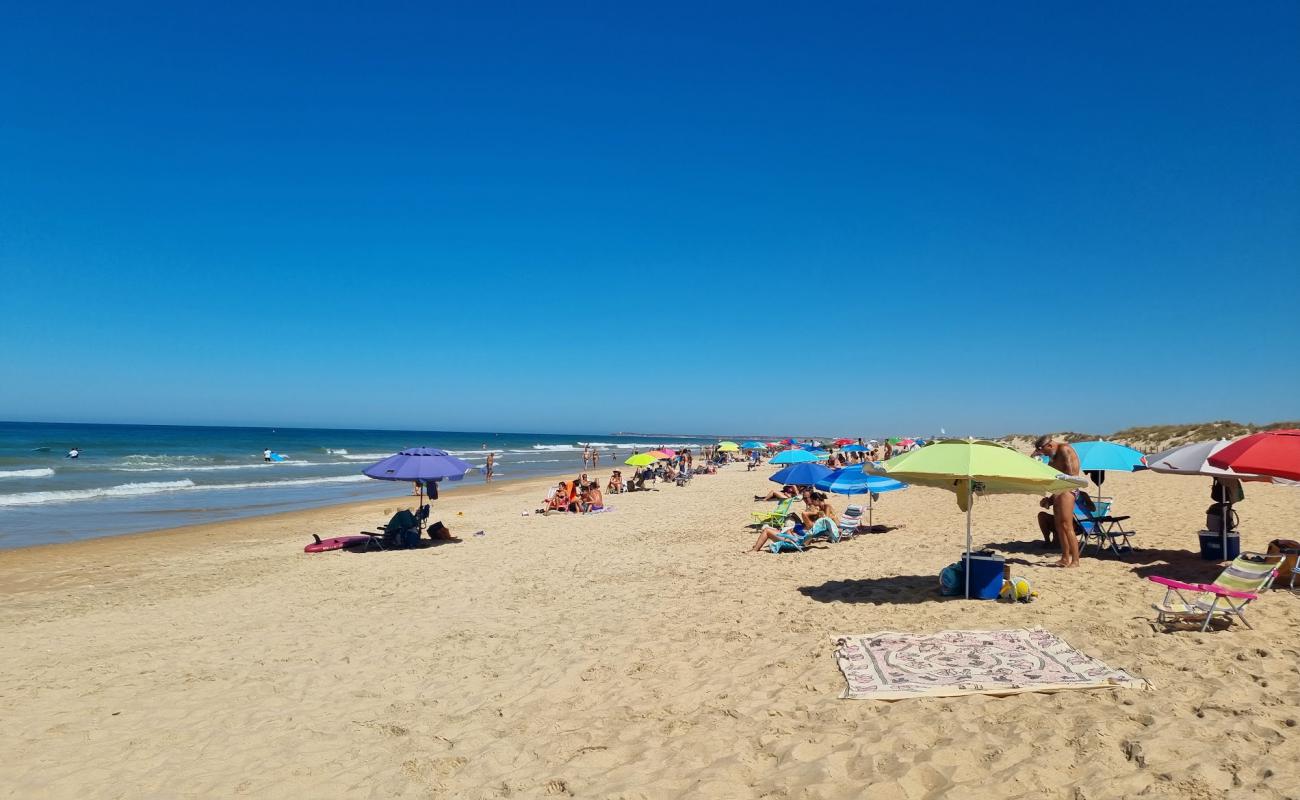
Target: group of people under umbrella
[[969, 468], [974, 467]]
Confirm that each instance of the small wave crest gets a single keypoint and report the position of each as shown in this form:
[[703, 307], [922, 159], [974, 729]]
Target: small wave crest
[[158, 487], [43, 472], [336, 451], [124, 490]]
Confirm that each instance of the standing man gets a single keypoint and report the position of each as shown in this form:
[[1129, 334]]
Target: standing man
[[1062, 458], [491, 465]]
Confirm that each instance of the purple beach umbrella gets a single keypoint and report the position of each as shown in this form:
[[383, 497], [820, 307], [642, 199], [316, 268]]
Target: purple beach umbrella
[[419, 465]]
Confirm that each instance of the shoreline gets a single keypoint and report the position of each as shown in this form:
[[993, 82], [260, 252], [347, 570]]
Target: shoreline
[[457, 489]]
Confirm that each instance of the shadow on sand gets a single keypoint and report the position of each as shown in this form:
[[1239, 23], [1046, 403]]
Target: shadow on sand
[[893, 590]]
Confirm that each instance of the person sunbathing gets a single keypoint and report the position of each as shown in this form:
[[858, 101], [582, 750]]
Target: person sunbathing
[[816, 507], [592, 499], [770, 534], [561, 498], [615, 484], [785, 493]]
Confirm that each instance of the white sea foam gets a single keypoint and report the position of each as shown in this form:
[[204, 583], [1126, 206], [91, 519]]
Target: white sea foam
[[293, 482], [43, 472], [135, 489], [336, 451], [124, 490], [224, 467]]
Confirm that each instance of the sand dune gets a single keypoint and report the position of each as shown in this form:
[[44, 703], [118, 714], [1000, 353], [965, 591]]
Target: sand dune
[[636, 654]]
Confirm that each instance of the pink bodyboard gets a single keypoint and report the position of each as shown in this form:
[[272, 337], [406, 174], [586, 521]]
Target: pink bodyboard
[[337, 543]]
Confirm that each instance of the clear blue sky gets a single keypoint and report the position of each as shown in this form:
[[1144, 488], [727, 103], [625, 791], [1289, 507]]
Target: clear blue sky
[[864, 218]]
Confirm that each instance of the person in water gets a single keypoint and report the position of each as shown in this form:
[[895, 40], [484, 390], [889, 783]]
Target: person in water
[[74, 453], [266, 454], [1062, 458], [491, 465]]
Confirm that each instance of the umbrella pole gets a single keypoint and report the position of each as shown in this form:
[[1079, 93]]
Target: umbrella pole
[[970, 505], [871, 507], [419, 520]]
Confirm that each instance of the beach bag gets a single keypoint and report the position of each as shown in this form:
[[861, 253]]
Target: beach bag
[[1214, 517], [952, 580]]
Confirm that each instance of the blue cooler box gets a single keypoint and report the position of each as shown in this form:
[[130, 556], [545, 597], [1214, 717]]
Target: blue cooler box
[[1212, 545], [985, 576]]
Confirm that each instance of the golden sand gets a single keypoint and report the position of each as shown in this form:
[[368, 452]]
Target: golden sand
[[641, 653]]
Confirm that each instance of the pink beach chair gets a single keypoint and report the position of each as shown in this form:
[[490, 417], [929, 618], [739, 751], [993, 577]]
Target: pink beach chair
[[1227, 597]]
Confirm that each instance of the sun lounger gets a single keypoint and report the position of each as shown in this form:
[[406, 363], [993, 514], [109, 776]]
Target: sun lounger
[[1227, 597], [798, 537], [851, 521], [775, 517], [404, 528]]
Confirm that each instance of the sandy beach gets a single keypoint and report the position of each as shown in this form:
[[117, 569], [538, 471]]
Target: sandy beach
[[640, 653]]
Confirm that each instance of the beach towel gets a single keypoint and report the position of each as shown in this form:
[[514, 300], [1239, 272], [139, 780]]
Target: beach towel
[[889, 665]]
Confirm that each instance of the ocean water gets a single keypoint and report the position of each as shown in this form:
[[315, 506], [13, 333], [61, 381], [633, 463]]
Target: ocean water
[[132, 478]]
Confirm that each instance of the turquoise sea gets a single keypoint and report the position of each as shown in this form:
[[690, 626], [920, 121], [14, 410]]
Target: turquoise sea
[[131, 478]]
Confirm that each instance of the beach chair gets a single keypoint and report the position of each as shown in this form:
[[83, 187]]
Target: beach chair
[[1093, 526], [1227, 597], [403, 530], [850, 522], [797, 538], [775, 517]]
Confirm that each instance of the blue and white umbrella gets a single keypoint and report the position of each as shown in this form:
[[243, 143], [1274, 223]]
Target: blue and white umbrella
[[852, 480]]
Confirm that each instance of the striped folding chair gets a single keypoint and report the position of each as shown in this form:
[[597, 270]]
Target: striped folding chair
[[1227, 597]]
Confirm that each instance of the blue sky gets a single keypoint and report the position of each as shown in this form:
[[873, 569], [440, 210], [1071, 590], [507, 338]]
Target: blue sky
[[689, 217]]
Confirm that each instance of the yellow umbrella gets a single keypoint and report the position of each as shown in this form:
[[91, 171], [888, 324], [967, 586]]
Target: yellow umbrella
[[728, 447], [640, 460], [972, 467]]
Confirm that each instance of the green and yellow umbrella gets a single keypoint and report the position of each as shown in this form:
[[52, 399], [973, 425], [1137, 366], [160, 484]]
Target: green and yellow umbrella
[[728, 447], [971, 467], [641, 460]]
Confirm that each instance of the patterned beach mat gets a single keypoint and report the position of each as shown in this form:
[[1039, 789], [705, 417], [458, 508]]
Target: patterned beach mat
[[892, 666]]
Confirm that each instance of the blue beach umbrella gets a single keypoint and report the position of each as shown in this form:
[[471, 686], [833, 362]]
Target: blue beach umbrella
[[1097, 458], [852, 480], [794, 457], [1094, 456], [801, 474], [853, 448], [419, 465], [752, 445]]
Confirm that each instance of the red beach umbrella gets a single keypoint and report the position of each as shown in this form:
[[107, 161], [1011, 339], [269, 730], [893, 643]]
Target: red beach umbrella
[[842, 442], [1275, 453]]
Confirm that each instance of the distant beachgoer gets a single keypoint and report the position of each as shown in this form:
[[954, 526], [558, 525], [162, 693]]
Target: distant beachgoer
[[1062, 458], [490, 466], [74, 453], [595, 456], [266, 454], [586, 456]]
